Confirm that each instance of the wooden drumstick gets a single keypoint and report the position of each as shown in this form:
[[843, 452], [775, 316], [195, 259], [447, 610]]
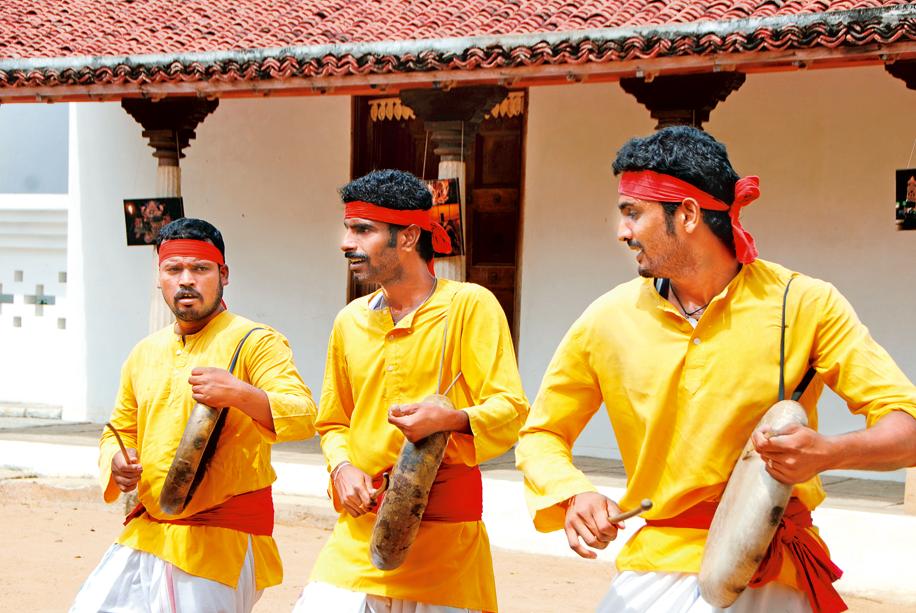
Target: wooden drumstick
[[120, 442], [645, 505], [381, 488]]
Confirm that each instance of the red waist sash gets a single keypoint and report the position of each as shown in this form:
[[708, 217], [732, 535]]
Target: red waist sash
[[456, 494], [251, 512], [814, 571]]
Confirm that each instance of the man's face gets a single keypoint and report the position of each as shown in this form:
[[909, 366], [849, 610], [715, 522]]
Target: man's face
[[371, 251], [193, 288], [643, 227]]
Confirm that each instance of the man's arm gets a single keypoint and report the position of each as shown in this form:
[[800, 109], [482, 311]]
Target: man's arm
[[801, 453], [350, 488], [558, 494], [489, 378], [276, 399], [116, 475], [858, 369]]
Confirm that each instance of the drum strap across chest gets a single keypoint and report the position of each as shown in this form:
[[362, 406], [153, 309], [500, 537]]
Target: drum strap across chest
[[815, 572], [251, 513], [456, 494]]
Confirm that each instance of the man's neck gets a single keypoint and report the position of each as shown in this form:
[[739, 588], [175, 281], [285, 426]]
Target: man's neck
[[408, 292], [700, 285], [185, 328]]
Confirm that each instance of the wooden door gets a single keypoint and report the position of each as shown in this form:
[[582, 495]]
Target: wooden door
[[494, 181]]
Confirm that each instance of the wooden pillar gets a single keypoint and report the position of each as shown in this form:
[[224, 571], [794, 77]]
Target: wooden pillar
[[683, 99], [169, 125], [452, 119]]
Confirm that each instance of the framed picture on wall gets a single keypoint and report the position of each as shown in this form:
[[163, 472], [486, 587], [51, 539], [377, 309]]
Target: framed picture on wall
[[144, 217], [447, 211], [905, 190]]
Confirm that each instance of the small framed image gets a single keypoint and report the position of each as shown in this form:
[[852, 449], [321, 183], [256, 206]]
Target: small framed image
[[144, 217], [447, 211], [906, 199]]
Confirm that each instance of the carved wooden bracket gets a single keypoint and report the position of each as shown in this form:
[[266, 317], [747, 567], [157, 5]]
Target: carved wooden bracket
[[683, 99], [905, 71], [169, 124]]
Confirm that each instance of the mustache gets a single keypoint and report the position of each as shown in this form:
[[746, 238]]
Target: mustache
[[634, 244], [187, 293], [356, 255]]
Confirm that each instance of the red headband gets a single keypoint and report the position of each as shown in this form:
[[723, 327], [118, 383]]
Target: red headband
[[187, 247], [422, 219], [650, 185]]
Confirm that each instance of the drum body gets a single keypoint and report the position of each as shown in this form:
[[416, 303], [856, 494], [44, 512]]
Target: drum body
[[194, 451], [747, 516], [399, 515]]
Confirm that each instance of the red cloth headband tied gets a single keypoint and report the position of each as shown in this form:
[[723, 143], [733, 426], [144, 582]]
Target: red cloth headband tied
[[650, 185], [422, 219], [188, 247]]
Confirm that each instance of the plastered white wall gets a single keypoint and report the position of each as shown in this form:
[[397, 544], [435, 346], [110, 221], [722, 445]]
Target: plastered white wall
[[265, 173], [825, 144]]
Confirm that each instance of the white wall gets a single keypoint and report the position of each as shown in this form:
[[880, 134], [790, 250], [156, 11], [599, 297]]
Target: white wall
[[825, 144], [33, 338], [265, 173]]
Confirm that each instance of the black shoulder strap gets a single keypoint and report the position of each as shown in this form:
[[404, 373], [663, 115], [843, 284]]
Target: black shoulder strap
[[782, 355], [238, 349]]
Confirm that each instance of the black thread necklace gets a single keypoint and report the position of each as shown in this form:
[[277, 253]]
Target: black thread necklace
[[688, 314]]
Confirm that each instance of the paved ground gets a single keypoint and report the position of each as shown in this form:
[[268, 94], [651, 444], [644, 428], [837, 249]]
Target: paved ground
[[61, 527], [55, 532]]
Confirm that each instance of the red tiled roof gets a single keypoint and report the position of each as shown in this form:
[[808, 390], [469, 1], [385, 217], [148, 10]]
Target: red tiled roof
[[210, 47], [64, 28]]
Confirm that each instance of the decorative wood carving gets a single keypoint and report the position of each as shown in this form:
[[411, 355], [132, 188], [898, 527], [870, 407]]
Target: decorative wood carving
[[169, 124], [683, 99]]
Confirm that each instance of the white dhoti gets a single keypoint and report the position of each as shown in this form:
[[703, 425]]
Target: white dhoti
[[320, 597], [131, 581], [634, 592]]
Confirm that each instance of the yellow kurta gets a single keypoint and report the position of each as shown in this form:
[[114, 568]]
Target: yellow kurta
[[683, 401], [152, 407], [373, 364]]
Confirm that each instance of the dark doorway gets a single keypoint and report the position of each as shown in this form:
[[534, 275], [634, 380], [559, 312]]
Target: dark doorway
[[386, 135]]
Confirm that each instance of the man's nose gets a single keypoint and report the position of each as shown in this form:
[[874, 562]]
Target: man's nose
[[347, 243], [623, 231], [186, 278]]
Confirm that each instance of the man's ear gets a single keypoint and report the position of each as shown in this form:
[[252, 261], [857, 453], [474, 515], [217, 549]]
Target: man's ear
[[224, 274], [693, 214], [409, 237]]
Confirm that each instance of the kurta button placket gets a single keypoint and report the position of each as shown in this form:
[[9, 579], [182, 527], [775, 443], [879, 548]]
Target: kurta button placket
[[696, 341]]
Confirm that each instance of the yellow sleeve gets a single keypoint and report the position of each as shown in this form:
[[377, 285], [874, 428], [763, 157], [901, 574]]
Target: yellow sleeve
[[490, 373], [336, 405], [270, 368], [569, 396], [856, 367], [124, 419]]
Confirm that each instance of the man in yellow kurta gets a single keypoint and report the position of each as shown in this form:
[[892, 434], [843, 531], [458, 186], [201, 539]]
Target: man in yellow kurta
[[383, 359], [687, 361], [217, 554]]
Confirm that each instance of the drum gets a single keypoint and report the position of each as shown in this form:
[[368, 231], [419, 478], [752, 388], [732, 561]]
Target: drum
[[399, 515], [197, 446], [747, 516]]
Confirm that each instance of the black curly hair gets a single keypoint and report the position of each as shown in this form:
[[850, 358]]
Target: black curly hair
[[394, 189], [693, 156]]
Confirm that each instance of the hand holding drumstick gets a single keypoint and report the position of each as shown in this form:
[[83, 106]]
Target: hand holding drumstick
[[594, 519], [125, 466]]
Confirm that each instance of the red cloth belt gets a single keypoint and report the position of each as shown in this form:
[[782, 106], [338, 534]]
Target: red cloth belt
[[412, 217], [456, 494], [650, 185], [814, 571], [189, 247], [251, 513]]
